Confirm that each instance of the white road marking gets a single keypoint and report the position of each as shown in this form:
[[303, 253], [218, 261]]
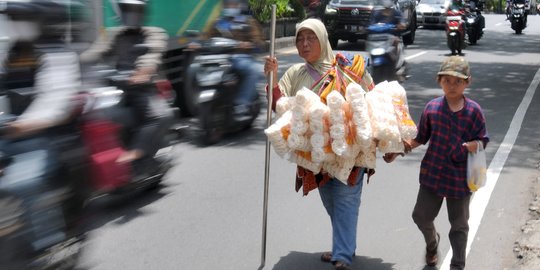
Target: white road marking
[[481, 197], [414, 55]]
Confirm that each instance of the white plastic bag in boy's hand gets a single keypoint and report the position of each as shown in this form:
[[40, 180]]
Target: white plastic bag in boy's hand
[[476, 168]]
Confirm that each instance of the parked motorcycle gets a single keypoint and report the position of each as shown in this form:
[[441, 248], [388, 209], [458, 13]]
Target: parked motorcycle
[[518, 18], [211, 76], [387, 60], [455, 31]]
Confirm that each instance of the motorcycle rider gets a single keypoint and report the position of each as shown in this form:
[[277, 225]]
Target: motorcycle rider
[[477, 6], [119, 46], [459, 5], [40, 77], [509, 4], [390, 15], [244, 28]]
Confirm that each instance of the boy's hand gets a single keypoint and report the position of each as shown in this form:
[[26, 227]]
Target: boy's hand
[[389, 157], [471, 146], [407, 146]]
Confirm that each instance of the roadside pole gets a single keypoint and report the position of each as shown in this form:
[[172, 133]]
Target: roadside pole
[[268, 123]]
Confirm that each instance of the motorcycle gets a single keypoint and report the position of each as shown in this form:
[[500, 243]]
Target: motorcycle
[[474, 29], [387, 61], [107, 126], [216, 84], [518, 19], [42, 223], [455, 31]]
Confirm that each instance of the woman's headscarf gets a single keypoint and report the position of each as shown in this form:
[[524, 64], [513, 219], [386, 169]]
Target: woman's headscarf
[[327, 55], [298, 76]]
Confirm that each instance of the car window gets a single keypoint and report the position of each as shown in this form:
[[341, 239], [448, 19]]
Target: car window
[[432, 2], [355, 2]]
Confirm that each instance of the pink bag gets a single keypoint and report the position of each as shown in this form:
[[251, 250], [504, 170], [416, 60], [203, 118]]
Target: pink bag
[[101, 139]]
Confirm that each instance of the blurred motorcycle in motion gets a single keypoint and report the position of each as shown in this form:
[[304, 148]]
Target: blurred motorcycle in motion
[[387, 59], [216, 83], [42, 160]]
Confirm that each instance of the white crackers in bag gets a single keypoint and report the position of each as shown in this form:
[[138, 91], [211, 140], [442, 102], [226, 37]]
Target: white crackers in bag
[[384, 120], [300, 120], [407, 127], [275, 134]]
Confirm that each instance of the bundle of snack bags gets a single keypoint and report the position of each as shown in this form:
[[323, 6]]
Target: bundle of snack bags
[[342, 126]]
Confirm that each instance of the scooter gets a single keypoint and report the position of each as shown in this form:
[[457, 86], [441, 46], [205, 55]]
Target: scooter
[[42, 220], [518, 18], [107, 125], [216, 83], [387, 60], [455, 31]]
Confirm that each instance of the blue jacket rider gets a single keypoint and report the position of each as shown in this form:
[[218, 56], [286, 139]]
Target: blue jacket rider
[[234, 25]]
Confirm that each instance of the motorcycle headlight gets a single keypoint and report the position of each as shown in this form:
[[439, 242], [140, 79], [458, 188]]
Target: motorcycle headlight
[[11, 212], [470, 20], [330, 10], [377, 51], [207, 95]]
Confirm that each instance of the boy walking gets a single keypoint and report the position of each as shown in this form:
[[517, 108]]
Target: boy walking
[[454, 125]]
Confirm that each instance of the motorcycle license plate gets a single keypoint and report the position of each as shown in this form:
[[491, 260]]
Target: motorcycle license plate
[[354, 28]]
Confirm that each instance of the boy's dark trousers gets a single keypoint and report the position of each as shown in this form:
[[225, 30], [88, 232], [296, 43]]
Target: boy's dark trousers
[[426, 210]]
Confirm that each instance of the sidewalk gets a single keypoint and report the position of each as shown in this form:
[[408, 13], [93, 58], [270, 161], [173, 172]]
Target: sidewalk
[[527, 246], [280, 43]]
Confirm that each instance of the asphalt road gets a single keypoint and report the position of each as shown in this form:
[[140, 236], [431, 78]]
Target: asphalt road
[[208, 213]]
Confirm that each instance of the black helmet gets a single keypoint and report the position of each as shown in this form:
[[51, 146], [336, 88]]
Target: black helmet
[[132, 12]]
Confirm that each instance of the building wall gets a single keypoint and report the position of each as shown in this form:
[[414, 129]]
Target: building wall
[[175, 16]]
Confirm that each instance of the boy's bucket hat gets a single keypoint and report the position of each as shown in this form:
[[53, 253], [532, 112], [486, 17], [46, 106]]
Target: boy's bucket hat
[[455, 66]]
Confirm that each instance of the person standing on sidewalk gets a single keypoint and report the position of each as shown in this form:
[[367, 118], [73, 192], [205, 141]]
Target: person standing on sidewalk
[[341, 201], [454, 125]]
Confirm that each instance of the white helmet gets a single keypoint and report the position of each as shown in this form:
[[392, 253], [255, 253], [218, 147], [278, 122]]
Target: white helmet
[[132, 12], [387, 3]]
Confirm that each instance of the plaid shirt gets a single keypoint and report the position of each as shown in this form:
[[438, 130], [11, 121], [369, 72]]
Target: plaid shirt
[[444, 167]]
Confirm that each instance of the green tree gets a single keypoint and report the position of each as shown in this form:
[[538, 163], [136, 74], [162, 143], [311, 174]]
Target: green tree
[[262, 9]]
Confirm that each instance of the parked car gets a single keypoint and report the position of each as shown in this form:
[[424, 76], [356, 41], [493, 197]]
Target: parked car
[[432, 13], [349, 19]]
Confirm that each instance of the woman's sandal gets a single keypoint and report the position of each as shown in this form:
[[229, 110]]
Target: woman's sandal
[[326, 257], [342, 266]]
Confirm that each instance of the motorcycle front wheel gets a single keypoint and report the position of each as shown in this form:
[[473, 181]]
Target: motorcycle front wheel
[[454, 44], [472, 36], [211, 124]]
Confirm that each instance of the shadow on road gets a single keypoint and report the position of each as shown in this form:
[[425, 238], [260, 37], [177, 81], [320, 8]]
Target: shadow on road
[[310, 261]]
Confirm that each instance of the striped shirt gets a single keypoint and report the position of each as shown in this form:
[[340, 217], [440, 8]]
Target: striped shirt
[[444, 166]]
